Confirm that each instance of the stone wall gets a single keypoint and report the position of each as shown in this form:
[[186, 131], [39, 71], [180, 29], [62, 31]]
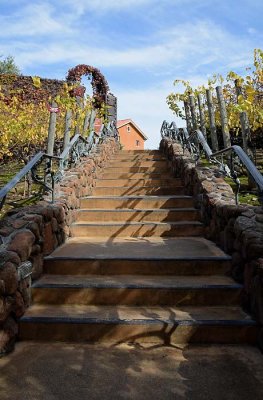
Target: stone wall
[[238, 230], [30, 233]]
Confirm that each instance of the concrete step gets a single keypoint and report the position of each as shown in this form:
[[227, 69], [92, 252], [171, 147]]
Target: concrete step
[[152, 256], [169, 215], [158, 325], [138, 157], [136, 202], [137, 229], [140, 152], [138, 164], [172, 182], [137, 175], [140, 190], [80, 266], [127, 169], [136, 290]]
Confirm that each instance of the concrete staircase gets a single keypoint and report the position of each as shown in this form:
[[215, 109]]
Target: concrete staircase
[[137, 268]]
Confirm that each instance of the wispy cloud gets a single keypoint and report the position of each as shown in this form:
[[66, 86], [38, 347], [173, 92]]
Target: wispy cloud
[[187, 46], [105, 6], [31, 20]]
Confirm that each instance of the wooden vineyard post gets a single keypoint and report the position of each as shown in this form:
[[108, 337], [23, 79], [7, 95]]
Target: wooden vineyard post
[[187, 116], [80, 104], [192, 109], [245, 128], [52, 128], [212, 122], [86, 123], [68, 120], [223, 117], [50, 143], [201, 115]]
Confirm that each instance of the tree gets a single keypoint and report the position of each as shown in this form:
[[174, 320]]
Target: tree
[[8, 66]]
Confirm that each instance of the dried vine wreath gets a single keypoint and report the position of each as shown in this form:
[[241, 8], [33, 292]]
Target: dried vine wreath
[[98, 82]]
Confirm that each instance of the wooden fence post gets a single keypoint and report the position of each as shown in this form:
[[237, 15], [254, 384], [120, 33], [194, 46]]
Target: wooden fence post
[[192, 109], [187, 116], [86, 122], [245, 128], [212, 122], [68, 121], [201, 115], [80, 105], [223, 117], [52, 128]]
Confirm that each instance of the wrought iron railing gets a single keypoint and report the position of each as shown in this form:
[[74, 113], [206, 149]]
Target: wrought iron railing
[[45, 170], [235, 156]]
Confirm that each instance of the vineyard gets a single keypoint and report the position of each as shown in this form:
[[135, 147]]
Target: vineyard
[[226, 112], [49, 123], [243, 98], [24, 125]]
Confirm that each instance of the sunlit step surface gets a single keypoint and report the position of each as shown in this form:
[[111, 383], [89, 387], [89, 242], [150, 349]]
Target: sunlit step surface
[[115, 324], [136, 290], [137, 229], [176, 214], [137, 202], [172, 182]]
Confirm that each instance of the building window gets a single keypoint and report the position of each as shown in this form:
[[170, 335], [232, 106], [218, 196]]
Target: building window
[[128, 129], [137, 143]]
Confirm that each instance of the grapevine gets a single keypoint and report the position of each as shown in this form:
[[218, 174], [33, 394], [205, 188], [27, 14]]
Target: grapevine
[[24, 124], [250, 100]]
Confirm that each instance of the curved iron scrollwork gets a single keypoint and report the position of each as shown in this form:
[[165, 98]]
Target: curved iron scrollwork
[[46, 170], [235, 156]]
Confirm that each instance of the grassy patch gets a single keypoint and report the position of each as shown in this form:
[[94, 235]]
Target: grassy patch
[[247, 195], [18, 196]]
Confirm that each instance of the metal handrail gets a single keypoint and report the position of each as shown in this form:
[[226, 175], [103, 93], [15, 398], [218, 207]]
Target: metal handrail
[[62, 158], [247, 162], [25, 170], [188, 140]]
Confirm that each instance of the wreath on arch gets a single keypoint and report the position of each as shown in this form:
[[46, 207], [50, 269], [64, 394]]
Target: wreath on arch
[[99, 84]]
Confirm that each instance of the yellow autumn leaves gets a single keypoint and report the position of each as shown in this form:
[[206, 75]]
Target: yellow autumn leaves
[[24, 125], [250, 100]]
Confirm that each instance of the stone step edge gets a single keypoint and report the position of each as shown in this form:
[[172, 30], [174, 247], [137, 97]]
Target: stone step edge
[[136, 210], [140, 159], [125, 321], [194, 322], [136, 223], [139, 187], [104, 285], [162, 210], [172, 179], [161, 197], [140, 258]]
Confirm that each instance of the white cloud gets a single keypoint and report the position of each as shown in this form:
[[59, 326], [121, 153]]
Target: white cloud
[[31, 20], [101, 6], [187, 46]]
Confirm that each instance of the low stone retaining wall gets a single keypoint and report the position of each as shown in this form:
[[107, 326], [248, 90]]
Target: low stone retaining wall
[[30, 233], [238, 230]]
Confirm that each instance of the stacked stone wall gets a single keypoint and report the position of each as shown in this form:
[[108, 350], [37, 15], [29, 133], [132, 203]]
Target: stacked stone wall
[[238, 230], [31, 233]]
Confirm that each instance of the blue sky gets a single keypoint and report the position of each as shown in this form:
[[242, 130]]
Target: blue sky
[[141, 46]]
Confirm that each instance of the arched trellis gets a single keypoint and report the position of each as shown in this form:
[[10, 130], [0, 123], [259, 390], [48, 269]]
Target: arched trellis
[[99, 84]]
